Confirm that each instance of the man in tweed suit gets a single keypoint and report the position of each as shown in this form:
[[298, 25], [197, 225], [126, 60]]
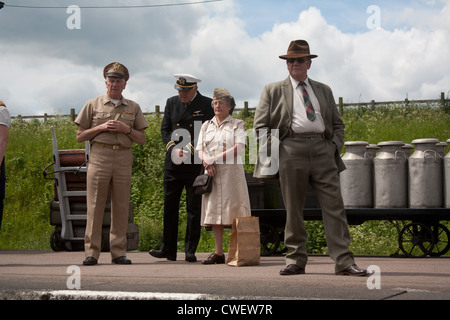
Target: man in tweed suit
[[311, 135]]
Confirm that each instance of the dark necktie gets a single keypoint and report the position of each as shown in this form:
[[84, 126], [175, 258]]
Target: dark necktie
[[310, 113]]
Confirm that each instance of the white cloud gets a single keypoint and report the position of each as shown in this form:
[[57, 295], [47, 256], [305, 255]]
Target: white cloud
[[48, 68]]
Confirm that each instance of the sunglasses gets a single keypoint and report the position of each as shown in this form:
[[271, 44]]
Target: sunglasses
[[299, 60]]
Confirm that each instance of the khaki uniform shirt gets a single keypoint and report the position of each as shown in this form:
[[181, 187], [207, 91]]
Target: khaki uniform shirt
[[101, 109]]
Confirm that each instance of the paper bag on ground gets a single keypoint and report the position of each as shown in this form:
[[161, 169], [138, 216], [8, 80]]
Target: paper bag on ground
[[244, 248]]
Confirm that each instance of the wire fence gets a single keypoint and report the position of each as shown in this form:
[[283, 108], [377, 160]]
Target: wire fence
[[443, 102]]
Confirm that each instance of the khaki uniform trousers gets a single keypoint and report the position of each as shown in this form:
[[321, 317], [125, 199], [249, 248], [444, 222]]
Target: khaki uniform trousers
[[309, 158], [108, 170]]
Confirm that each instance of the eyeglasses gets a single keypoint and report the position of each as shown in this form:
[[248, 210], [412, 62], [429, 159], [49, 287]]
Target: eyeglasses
[[220, 103], [299, 60]]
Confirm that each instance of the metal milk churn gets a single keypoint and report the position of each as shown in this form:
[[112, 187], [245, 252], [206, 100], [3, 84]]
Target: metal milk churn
[[447, 178], [372, 150], [440, 148], [425, 175], [391, 176], [407, 148], [356, 180]]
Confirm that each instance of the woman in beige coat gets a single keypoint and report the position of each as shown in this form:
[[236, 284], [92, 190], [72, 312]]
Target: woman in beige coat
[[219, 146]]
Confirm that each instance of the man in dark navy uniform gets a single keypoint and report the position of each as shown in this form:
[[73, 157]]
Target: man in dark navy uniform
[[180, 128]]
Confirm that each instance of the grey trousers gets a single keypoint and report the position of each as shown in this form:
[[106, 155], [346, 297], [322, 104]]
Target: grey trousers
[[309, 158]]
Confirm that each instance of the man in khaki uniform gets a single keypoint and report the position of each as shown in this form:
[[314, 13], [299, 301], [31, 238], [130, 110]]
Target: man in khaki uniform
[[111, 123]]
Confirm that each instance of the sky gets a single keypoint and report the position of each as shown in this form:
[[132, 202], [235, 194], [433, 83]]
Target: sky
[[52, 59]]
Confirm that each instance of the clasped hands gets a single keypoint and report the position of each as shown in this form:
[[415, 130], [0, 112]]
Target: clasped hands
[[209, 164], [116, 126]]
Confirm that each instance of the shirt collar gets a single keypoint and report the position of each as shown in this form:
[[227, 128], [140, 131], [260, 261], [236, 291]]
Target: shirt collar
[[107, 99], [227, 119], [295, 82]]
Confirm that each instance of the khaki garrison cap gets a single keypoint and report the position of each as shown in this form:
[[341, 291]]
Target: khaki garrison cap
[[223, 94]]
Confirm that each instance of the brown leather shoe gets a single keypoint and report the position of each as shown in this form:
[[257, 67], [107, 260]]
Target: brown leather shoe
[[291, 270], [353, 270], [214, 258]]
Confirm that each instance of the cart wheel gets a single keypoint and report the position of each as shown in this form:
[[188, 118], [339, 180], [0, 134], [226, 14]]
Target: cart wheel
[[416, 240], [56, 243], [269, 239], [441, 236]]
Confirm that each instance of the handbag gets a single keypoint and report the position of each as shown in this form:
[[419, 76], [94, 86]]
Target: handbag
[[244, 248], [202, 184]]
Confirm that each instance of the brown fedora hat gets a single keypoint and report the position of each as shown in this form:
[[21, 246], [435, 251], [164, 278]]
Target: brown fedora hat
[[298, 49]]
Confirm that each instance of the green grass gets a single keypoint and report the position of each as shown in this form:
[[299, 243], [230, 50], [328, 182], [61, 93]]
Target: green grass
[[26, 215]]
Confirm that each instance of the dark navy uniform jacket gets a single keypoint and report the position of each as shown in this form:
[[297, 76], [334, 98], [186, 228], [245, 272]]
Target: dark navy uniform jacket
[[190, 117]]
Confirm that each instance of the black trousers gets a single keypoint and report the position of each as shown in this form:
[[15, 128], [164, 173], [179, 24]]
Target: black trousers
[[174, 183]]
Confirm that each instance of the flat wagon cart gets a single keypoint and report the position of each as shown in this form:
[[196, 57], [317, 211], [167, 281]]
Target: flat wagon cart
[[422, 235], [68, 209]]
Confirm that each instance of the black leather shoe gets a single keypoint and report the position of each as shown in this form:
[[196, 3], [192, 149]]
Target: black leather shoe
[[291, 270], [162, 254], [353, 270], [90, 261], [190, 257], [121, 260]]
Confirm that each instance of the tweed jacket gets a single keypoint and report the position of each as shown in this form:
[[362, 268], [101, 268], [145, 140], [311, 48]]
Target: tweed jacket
[[275, 112]]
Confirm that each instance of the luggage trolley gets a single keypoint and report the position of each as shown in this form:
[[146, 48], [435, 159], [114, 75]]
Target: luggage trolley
[[68, 210], [66, 162], [421, 235]]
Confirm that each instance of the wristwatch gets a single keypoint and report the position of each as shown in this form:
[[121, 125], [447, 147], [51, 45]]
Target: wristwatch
[[131, 129]]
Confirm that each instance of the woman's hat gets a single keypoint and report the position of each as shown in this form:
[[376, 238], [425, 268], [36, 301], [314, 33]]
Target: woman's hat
[[298, 49], [223, 94], [220, 93]]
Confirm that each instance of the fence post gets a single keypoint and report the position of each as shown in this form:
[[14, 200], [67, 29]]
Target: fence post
[[72, 114], [245, 109], [443, 100], [373, 105], [341, 106], [157, 110]]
